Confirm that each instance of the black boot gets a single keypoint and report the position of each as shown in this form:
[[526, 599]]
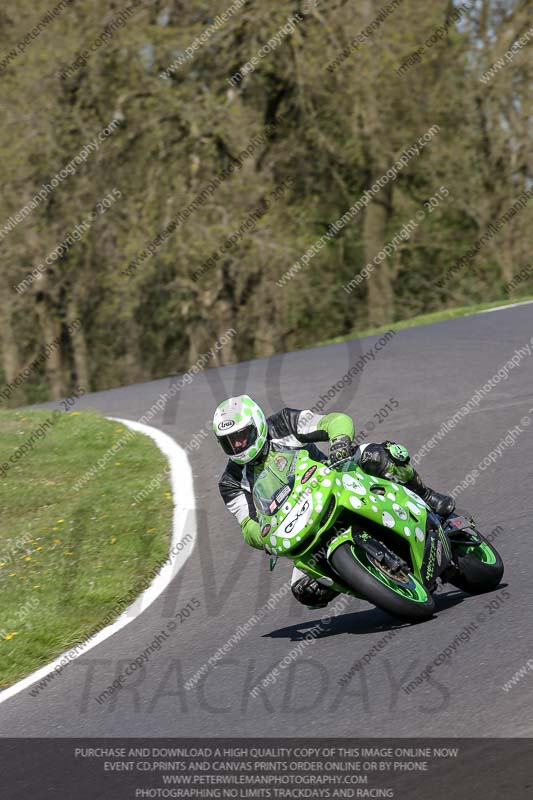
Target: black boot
[[441, 504], [311, 593]]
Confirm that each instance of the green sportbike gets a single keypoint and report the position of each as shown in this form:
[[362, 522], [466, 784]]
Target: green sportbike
[[367, 536]]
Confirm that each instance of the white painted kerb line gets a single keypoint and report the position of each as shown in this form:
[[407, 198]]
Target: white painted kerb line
[[183, 522]]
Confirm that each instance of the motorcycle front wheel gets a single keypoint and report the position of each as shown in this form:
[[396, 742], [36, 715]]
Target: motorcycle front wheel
[[399, 594]]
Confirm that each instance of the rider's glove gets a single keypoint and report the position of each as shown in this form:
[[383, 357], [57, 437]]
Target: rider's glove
[[340, 448]]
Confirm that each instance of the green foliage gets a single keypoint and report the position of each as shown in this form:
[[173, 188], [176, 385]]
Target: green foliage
[[336, 132]]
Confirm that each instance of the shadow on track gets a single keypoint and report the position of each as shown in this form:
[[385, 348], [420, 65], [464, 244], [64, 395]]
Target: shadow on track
[[370, 621], [361, 623]]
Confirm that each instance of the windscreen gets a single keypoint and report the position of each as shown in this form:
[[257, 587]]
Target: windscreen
[[275, 482]]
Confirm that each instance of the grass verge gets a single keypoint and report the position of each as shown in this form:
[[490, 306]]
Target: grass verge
[[426, 319], [67, 556]]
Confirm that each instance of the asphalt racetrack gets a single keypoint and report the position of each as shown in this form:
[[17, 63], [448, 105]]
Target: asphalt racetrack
[[431, 372]]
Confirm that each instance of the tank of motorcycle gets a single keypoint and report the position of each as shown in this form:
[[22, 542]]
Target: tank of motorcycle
[[294, 526]]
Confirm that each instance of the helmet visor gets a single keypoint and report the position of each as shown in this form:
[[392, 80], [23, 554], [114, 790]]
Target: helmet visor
[[237, 442]]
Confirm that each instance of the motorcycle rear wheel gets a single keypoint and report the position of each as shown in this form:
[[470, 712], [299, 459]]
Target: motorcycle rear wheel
[[479, 567]]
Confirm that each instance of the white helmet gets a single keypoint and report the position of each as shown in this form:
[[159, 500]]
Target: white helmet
[[241, 428]]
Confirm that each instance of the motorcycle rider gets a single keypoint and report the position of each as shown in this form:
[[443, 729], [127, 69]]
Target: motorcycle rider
[[247, 436]]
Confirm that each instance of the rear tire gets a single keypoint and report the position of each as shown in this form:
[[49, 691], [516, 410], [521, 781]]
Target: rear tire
[[475, 574], [353, 565]]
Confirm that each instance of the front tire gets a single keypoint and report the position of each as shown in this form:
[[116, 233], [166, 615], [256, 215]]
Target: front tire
[[405, 598], [479, 568]]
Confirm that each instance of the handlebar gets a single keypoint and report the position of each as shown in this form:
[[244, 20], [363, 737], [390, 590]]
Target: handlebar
[[328, 462]]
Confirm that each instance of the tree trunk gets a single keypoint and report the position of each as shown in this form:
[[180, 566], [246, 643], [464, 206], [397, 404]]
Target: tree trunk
[[134, 372], [380, 297], [51, 331], [79, 347], [8, 342]]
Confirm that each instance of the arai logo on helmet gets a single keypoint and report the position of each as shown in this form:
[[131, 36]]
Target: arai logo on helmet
[[228, 423]]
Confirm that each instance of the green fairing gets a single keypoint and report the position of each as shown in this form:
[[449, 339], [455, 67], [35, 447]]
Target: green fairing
[[336, 424], [301, 503]]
